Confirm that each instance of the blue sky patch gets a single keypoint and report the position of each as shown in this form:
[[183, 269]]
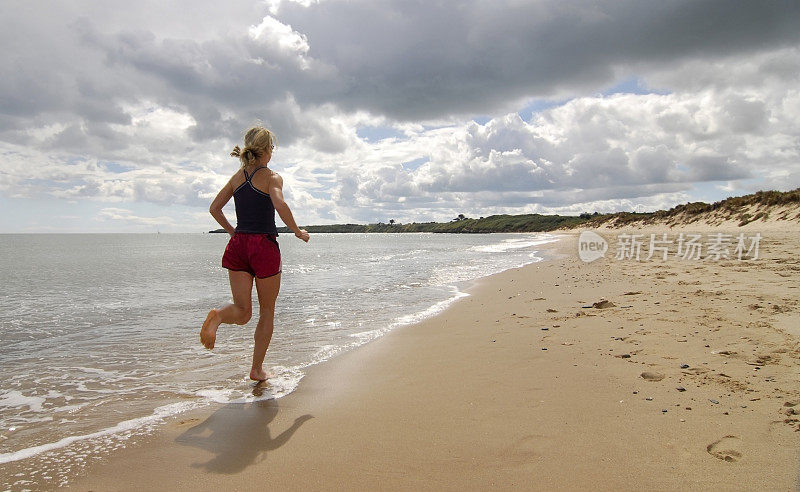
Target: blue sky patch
[[115, 167], [632, 85], [75, 160], [537, 106], [415, 164], [374, 134], [712, 191]]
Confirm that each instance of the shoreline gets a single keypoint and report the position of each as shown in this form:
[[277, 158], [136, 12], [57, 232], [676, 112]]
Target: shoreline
[[138, 427], [414, 408]]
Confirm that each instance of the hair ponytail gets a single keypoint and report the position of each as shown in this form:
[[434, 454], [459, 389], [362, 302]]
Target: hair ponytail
[[257, 141], [249, 155]]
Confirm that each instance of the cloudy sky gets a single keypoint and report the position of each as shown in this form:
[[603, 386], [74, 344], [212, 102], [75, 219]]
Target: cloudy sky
[[119, 115]]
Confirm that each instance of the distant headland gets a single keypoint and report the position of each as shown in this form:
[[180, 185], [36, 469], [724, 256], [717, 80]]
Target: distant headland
[[734, 211]]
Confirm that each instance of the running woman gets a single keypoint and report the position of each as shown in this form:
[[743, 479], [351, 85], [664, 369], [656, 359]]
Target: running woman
[[252, 252]]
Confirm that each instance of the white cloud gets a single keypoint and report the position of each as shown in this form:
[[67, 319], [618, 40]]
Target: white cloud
[[272, 32], [589, 152], [129, 218]]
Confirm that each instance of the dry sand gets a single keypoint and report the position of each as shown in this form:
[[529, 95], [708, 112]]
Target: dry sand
[[519, 386]]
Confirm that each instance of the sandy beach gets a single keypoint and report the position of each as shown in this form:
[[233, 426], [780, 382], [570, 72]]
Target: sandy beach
[[689, 379]]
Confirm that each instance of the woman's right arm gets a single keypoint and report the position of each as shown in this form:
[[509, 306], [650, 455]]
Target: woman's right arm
[[223, 197]]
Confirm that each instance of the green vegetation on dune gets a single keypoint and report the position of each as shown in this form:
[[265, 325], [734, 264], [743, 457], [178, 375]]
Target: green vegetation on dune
[[736, 208], [493, 223], [461, 224], [745, 209]]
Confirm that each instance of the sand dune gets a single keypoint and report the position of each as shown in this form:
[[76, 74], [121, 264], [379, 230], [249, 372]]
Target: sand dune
[[762, 211]]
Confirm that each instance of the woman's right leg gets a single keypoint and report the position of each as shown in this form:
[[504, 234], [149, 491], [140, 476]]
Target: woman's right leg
[[237, 313]]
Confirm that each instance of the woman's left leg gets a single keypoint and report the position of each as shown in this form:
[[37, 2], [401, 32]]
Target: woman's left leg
[[267, 294]]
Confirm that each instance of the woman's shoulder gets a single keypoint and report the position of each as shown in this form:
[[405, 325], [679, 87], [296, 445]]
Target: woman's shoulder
[[276, 178], [237, 179], [264, 178]]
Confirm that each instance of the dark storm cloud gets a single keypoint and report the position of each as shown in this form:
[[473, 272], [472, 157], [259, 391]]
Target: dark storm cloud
[[411, 60], [419, 59]]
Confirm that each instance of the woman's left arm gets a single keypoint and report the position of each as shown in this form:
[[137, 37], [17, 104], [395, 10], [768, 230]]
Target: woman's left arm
[[223, 197], [276, 194]]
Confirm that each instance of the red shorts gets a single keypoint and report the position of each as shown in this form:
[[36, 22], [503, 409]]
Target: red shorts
[[256, 254]]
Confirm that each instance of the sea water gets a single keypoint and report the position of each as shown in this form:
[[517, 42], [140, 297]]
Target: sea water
[[99, 332]]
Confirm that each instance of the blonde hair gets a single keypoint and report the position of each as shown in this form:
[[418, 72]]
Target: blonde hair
[[257, 141]]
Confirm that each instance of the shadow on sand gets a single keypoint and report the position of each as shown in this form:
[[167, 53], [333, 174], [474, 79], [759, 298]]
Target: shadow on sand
[[238, 435]]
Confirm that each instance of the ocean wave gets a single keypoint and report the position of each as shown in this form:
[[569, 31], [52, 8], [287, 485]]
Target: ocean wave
[[410, 319], [158, 415], [284, 381], [515, 243], [15, 399]]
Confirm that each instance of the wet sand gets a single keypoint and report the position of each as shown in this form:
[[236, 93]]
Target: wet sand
[[691, 380]]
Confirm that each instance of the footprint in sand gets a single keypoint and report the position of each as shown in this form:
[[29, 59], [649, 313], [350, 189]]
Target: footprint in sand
[[651, 376], [726, 449], [186, 422], [522, 451]]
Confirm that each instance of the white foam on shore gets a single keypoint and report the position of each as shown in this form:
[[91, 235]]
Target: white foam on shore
[[410, 319], [329, 351], [510, 244], [284, 381], [15, 398], [159, 414]]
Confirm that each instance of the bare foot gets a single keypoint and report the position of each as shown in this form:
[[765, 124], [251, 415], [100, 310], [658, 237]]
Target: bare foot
[[260, 375], [208, 333]]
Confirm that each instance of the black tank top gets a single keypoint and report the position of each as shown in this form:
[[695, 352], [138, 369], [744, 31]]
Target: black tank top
[[255, 213]]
